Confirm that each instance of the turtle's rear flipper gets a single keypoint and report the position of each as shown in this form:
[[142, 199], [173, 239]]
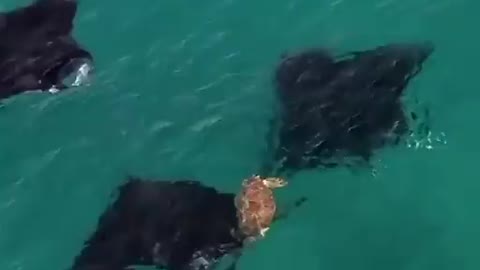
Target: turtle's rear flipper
[[236, 256], [233, 266], [284, 212]]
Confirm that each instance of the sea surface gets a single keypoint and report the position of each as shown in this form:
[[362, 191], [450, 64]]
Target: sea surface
[[184, 90]]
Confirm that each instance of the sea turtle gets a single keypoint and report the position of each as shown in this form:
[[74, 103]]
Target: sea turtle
[[256, 206]]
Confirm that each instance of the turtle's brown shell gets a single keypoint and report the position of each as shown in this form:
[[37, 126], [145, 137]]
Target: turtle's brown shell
[[255, 207]]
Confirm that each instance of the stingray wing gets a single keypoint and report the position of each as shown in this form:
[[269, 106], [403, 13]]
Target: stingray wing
[[41, 19], [58, 15]]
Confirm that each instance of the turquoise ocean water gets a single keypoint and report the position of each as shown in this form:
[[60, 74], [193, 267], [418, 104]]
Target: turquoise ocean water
[[184, 90]]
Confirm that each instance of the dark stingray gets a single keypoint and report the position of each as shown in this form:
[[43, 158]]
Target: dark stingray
[[337, 108], [178, 225], [37, 50]]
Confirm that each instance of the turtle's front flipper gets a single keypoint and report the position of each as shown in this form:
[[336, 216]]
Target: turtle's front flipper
[[283, 213]]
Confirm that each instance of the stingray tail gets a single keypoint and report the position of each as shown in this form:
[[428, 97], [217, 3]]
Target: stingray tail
[[268, 162]]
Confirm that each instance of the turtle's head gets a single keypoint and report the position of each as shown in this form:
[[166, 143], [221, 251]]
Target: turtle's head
[[273, 182]]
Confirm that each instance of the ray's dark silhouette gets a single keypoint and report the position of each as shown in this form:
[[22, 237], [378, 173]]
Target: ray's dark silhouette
[[174, 225], [37, 50], [336, 108]]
